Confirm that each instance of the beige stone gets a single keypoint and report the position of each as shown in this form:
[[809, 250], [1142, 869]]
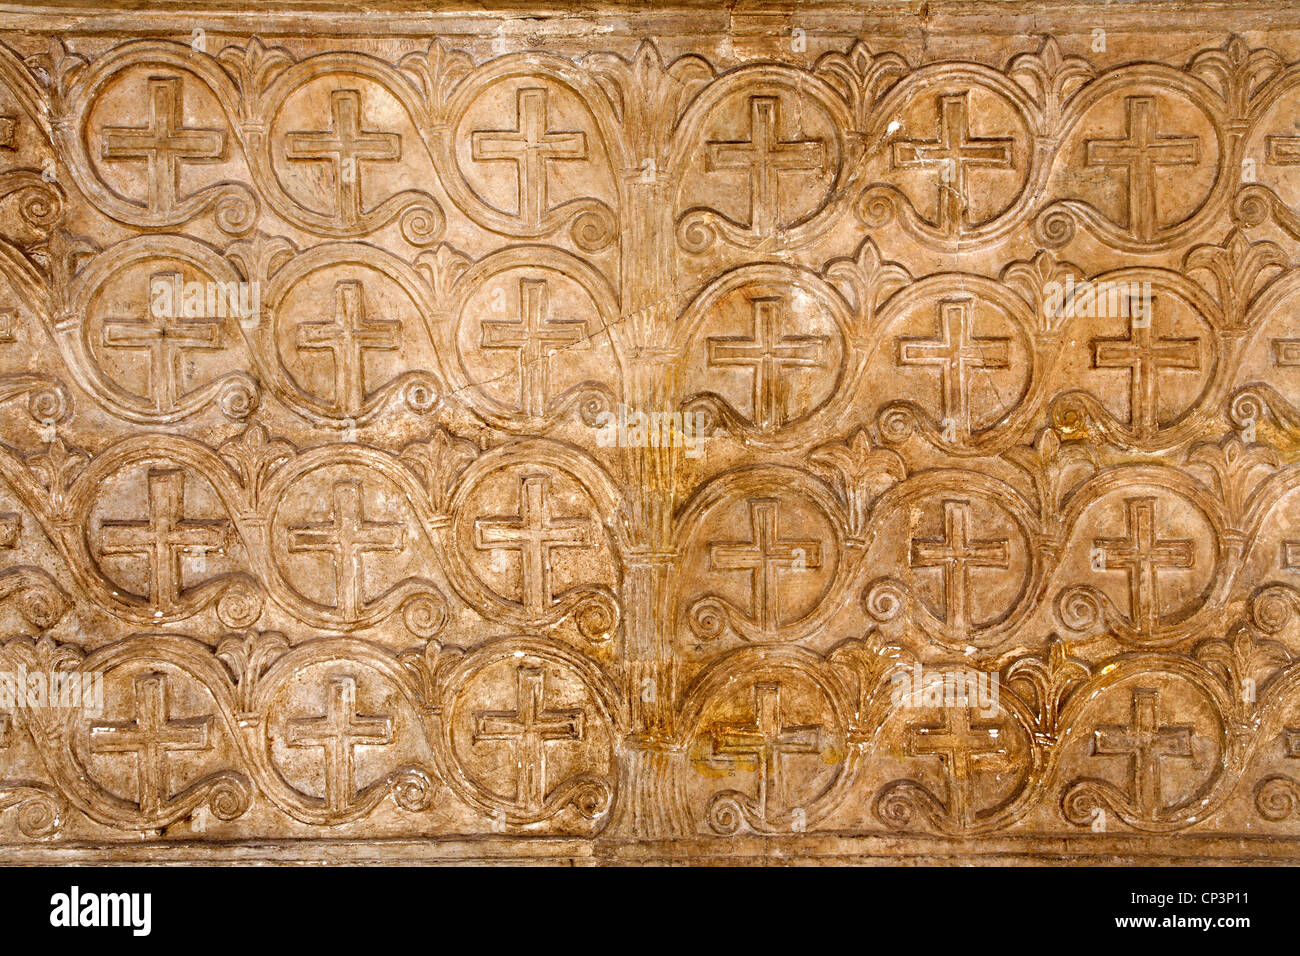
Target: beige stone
[[825, 431]]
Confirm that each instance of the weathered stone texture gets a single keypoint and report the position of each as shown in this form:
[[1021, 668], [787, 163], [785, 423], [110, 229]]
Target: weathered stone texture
[[470, 435]]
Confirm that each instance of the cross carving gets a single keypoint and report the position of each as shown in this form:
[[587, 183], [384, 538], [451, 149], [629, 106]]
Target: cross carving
[[165, 144], [151, 736], [166, 339], [339, 732], [955, 553], [764, 156], [165, 537], [961, 746], [345, 146], [761, 744], [1145, 742], [1291, 554], [768, 353], [528, 729], [535, 337], [766, 555], [1140, 554], [347, 536], [956, 350], [531, 146], [1282, 150], [1141, 153], [348, 338], [1286, 353], [954, 152], [1145, 354], [535, 532]]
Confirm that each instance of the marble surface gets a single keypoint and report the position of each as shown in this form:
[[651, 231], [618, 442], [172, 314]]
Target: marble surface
[[602, 433]]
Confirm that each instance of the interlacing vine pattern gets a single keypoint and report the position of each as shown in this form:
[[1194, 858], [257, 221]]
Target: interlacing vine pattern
[[412, 441]]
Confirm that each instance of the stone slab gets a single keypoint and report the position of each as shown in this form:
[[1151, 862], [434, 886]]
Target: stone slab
[[606, 434]]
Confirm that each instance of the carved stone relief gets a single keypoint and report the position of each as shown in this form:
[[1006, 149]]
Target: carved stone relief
[[639, 440]]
